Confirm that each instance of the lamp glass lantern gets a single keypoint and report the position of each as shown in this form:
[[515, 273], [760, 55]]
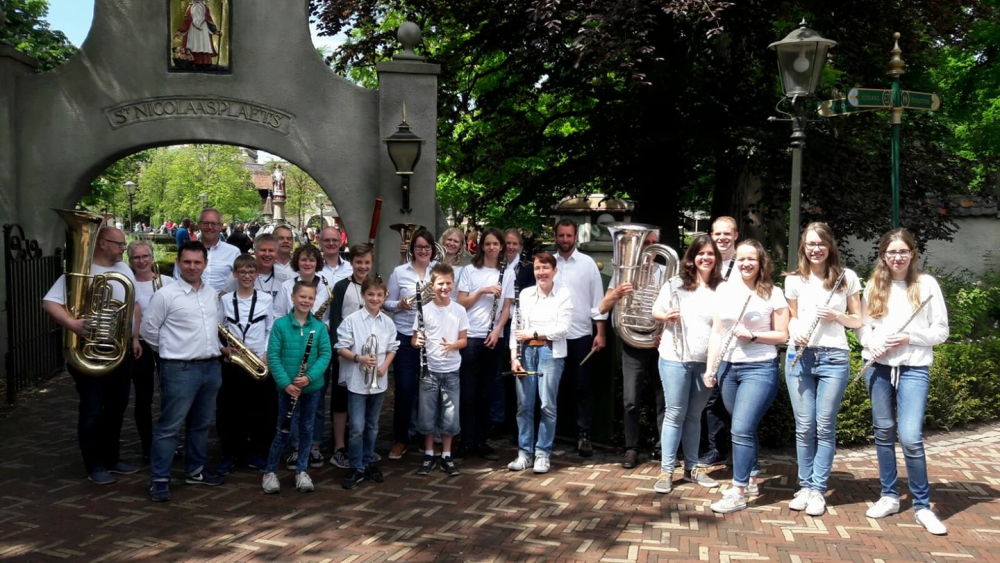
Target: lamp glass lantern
[[130, 187], [404, 148], [204, 200], [801, 58]]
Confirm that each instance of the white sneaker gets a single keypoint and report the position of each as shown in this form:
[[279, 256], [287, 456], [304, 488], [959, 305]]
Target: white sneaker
[[800, 500], [731, 501], [752, 490], [884, 507], [271, 484], [699, 477], [303, 482], [541, 464], [665, 483], [522, 462], [931, 522], [815, 503]]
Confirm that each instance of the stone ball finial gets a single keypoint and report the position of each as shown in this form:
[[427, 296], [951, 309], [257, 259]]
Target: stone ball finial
[[409, 36]]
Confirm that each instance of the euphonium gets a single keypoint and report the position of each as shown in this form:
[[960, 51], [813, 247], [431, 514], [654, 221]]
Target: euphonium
[[90, 297], [243, 356], [636, 265], [371, 373]]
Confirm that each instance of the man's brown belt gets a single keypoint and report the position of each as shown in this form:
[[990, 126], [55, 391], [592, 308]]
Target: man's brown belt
[[540, 343]]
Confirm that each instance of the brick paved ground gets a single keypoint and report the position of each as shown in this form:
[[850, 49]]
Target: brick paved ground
[[584, 510]]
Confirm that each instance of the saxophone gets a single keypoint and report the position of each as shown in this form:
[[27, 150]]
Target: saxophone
[[243, 356], [329, 300]]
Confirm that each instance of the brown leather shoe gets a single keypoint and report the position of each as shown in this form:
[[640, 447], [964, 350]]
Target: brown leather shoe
[[397, 451], [631, 459]]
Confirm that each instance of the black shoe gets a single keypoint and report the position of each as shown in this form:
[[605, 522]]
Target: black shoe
[[373, 474], [315, 458], [204, 478], [427, 466], [584, 447], [159, 491], [711, 457], [448, 466], [486, 452], [631, 459], [354, 476], [463, 452]]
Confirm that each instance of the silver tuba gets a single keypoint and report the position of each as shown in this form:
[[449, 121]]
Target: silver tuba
[[633, 315], [370, 348]]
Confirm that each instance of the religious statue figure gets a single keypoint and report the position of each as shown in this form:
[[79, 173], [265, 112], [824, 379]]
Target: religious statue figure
[[278, 184], [197, 30]]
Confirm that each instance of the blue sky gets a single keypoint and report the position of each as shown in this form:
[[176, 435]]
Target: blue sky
[[73, 17]]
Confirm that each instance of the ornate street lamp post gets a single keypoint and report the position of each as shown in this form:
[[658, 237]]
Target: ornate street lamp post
[[404, 151], [130, 192], [801, 58]]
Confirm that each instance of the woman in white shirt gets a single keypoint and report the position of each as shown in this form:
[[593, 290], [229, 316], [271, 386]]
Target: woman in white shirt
[[902, 346], [538, 344], [305, 261], [142, 259], [685, 305], [823, 298], [482, 290], [406, 365], [748, 369]]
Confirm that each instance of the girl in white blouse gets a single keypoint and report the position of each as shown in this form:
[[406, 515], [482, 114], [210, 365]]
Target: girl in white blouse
[[902, 346], [748, 371], [823, 298]]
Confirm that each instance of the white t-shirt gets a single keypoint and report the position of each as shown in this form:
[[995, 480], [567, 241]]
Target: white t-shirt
[[57, 293], [144, 290], [926, 330], [474, 279], [730, 298], [442, 323], [811, 295], [283, 301], [697, 310]]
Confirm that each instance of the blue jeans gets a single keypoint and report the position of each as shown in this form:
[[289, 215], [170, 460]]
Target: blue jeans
[[302, 422], [748, 389], [187, 393], [907, 403], [405, 371], [538, 358], [815, 388], [685, 396], [362, 412], [439, 404]]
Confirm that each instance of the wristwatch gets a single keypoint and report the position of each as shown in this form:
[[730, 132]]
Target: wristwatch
[[753, 337], [357, 359]]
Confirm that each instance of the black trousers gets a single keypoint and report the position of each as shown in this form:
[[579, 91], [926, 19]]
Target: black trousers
[[103, 401], [245, 413], [144, 381], [640, 373], [476, 376], [716, 424]]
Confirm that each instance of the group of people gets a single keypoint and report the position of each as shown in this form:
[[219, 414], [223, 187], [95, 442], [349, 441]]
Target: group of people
[[318, 322]]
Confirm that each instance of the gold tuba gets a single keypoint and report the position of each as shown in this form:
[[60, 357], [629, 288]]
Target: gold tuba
[[633, 315], [90, 297], [243, 356]]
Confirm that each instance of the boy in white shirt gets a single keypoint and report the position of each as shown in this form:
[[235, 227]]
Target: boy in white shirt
[[245, 407], [366, 391], [442, 326]]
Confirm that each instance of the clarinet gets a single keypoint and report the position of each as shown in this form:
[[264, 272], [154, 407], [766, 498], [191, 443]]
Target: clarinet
[[286, 425], [725, 347], [815, 323], [518, 321], [496, 300], [425, 373]]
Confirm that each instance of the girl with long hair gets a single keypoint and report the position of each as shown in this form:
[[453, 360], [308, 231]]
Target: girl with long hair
[[901, 343]]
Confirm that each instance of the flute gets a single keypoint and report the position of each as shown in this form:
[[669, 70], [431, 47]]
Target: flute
[[286, 424], [815, 323], [710, 376], [868, 365]]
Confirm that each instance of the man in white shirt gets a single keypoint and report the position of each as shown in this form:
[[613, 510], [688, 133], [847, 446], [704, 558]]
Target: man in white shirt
[[103, 399], [286, 239], [221, 254], [269, 278], [334, 268], [639, 367], [181, 325], [579, 274], [716, 444]]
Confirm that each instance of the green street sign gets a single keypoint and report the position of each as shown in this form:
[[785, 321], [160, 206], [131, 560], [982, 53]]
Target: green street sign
[[832, 108], [920, 100], [870, 98]]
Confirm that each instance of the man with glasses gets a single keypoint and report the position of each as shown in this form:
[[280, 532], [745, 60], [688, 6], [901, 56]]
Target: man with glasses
[[104, 399], [286, 239], [269, 277], [334, 268], [221, 255]]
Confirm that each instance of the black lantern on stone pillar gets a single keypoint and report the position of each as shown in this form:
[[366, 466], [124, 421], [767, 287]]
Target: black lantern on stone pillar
[[801, 58], [404, 150]]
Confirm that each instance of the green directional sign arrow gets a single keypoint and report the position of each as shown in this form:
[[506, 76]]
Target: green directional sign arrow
[[870, 98], [832, 108], [920, 100]]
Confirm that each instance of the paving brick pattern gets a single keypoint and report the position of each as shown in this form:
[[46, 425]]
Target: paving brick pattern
[[584, 510]]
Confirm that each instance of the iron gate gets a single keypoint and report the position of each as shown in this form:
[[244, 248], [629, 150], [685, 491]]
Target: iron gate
[[34, 340]]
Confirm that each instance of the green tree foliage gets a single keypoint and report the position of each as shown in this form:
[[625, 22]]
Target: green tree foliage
[[108, 189], [25, 28], [173, 179]]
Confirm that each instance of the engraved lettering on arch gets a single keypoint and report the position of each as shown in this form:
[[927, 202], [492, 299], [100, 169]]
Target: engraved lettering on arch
[[199, 107]]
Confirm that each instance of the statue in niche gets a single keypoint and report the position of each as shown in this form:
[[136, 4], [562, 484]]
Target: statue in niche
[[278, 184], [199, 42]]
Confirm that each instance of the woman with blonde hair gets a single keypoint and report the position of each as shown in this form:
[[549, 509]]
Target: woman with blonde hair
[[904, 316], [453, 242], [824, 299]]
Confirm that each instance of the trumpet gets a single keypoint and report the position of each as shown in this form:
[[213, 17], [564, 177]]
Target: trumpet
[[370, 348], [243, 356]]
